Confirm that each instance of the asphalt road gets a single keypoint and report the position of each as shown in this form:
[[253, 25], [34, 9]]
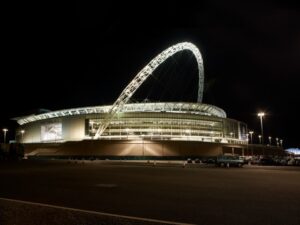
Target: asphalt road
[[249, 195]]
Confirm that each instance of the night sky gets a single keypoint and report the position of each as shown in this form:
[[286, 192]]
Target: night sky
[[64, 56]]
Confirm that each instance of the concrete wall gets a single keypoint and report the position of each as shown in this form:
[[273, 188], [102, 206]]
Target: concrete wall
[[125, 148], [73, 128], [32, 133], [140, 148]]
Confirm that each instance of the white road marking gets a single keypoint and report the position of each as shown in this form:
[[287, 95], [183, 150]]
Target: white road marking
[[95, 212]]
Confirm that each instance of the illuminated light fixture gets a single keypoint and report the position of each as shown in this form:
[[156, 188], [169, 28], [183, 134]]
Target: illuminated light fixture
[[261, 115], [259, 136], [4, 137], [22, 134], [281, 142], [251, 133]]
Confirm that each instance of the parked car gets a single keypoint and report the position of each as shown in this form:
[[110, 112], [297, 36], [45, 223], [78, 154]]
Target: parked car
[[266, 161], [209, 160], [229, 160], [197, 160], [189, 160]]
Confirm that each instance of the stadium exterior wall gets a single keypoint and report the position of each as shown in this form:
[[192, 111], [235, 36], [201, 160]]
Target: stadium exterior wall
[[142, 149], [162, 121]]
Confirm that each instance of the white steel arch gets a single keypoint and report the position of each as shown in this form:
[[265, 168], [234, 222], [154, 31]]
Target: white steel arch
[[144, 74]]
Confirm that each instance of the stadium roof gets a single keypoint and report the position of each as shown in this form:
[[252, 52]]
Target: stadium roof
[[174, 107]]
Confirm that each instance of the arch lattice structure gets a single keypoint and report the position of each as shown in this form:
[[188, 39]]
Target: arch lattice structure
[[145, 73]]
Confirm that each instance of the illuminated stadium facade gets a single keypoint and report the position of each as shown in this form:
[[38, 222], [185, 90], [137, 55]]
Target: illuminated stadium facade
[[165, 121], [168, 121]]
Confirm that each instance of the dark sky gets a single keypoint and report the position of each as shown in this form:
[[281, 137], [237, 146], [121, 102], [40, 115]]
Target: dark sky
[[57, 56]]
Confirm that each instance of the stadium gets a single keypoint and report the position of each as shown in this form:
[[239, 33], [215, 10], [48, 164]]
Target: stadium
[[160, 129]]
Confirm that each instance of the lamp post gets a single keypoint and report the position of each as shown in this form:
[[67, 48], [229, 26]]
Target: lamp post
[[259, 136], [4, 130], [277, 143], [261, 115], [22, 134], [251, 132], [270, 140], [247, 135], [281, 142]]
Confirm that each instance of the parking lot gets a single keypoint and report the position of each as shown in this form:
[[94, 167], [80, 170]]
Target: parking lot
[[194, 193]]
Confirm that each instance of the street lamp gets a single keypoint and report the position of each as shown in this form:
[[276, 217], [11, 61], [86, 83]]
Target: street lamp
[[281, 142], [270, 140], [22, 133], [259, 136], [277, 143], [261, 115], [251, 132], [4, 130]]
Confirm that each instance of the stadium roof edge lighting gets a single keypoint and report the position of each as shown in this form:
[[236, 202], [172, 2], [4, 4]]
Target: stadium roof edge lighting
[[181, 107]]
